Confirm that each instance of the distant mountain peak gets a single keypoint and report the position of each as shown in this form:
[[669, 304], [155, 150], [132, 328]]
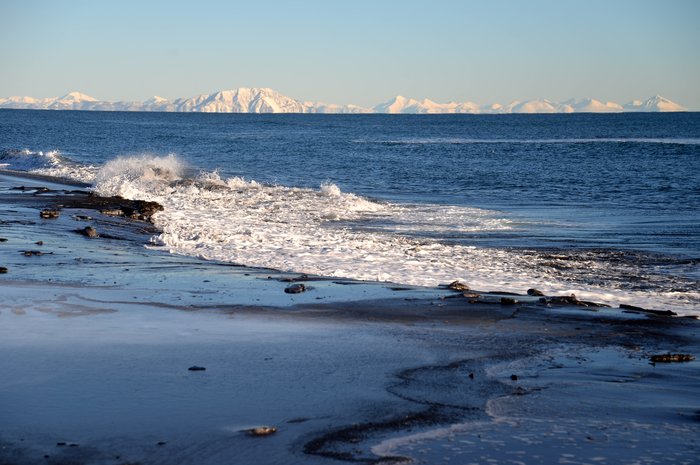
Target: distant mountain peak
[[77, 97], [267, 100]]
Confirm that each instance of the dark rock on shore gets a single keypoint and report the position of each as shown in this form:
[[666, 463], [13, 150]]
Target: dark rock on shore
[[632, 308], [535, 292], [32, 253], [458, 286], [568, 300], [2, 239], [49, 214], [514, 294], [3, 269], [670, 358], [141, 210], [295, 289], [115, 212], [508, 301], [88, 231], [261, 431]]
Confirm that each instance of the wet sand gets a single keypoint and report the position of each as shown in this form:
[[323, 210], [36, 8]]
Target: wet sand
[[97, 335]]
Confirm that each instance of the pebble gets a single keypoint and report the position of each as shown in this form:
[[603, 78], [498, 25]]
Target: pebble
[[261, 431], [295, 289]]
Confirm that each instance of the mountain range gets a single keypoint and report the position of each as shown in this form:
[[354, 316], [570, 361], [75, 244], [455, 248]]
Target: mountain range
[[265, 100]]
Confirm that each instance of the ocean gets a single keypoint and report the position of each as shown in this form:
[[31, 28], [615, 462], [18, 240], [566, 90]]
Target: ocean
[[606, 206]]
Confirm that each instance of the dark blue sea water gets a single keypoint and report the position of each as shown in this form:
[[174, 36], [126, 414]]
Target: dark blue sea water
[[568, 194]]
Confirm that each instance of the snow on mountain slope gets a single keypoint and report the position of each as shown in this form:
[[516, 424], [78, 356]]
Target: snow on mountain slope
[[321, 107], [537, 106], [656, 103], [266, 100], [591, 105], [401, 104], [242, 100]]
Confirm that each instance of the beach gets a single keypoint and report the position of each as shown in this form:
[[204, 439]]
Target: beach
[[98, 336]]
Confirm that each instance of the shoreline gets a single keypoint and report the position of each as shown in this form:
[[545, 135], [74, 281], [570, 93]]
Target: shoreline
[[98, 335], [123, 219]]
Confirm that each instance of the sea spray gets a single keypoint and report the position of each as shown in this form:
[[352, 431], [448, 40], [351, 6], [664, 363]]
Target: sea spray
[[146, 176]]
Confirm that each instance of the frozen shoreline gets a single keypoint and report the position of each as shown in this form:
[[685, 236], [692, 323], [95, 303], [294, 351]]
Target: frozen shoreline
[[97, 356]]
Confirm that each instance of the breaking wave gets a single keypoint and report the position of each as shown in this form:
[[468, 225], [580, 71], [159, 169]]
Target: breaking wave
[[332, 233], [328, 232]]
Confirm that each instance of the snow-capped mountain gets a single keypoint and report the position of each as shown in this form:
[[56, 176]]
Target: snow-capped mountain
[[400, 104], [242, 100], [537, 106], [266, 100], [321, 107], [655, 103], [591, 105]]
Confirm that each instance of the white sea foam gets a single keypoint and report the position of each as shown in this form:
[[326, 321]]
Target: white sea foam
[[50, 163], [331, 233]]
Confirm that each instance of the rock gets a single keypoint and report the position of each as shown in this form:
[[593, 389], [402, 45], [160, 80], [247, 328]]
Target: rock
[[261, 431], [148, 209], [31, 253], [49, 214], [508, 301], [113, 212], [514, 377], [89, 231], [141, 210], [535, 292], [515, 294], [3, 269], [39, 242], [295, 289], [458, 286], [632, 308], [562, 300], [669, 358], [2, 239], [196, 368]]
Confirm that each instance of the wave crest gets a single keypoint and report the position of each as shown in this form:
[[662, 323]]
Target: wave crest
[[141, 175]]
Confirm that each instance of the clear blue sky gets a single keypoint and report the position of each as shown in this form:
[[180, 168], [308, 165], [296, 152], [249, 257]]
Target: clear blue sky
[[354, 51]]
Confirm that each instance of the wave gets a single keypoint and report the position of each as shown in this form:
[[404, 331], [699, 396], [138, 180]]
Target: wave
[[332, 233], [328, 232], [50, 163], [468, 141]]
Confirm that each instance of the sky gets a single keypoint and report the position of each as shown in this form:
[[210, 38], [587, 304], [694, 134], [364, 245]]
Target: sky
[[357, 51]]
